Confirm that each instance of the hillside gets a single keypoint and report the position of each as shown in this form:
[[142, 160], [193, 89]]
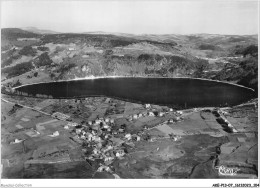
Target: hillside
[[63, 56], [39, 31]]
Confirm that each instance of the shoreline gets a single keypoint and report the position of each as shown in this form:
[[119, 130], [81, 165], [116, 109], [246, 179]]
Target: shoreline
[[114, 77]]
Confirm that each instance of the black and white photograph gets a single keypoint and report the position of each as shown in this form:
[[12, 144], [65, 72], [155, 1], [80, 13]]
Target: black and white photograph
[[129, 93]]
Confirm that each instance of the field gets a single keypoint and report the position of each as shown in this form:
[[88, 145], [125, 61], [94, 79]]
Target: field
[[189, 147]]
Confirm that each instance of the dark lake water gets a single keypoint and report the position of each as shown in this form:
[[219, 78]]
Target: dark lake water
[[178, 92]]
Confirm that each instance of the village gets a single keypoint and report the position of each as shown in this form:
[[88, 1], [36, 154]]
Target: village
[[104, 140]]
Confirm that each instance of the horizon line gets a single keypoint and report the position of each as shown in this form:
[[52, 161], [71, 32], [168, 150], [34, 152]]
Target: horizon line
[[108, 32]]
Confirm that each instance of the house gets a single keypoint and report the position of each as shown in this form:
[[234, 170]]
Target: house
[[56, 133], [105, 126], [107, 120], [89, 136], [128, 136], [16, 141], [112, 121], [36, 132], [136, 137], [96, 151], [100, 169], [171, 121], [108, 160], [114, 132], [135, 116], [161, 114], [94, 132], [25, 119], [78, 131], [130, 118], [120, 153], [176, 138], [151, 114], [108, 148], [180, 112], [98, 121], [104, 168], [72, 124], [106, 136], [83, 137], [97, 139]]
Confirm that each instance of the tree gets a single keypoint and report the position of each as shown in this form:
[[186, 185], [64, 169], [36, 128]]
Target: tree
[[17, 83], [43, 48], [52, 75], [199, 72], [28, 50], [251, 50], [108, 52], [43, 60]]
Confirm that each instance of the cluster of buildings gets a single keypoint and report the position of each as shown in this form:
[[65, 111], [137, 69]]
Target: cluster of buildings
[[103, 140], [227, 124], [149, 112], [153, 113]]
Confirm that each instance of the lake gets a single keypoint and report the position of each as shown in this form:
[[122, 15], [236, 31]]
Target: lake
[[176, 92]]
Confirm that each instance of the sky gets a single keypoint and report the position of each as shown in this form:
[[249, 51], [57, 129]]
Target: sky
[[134, 16]]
